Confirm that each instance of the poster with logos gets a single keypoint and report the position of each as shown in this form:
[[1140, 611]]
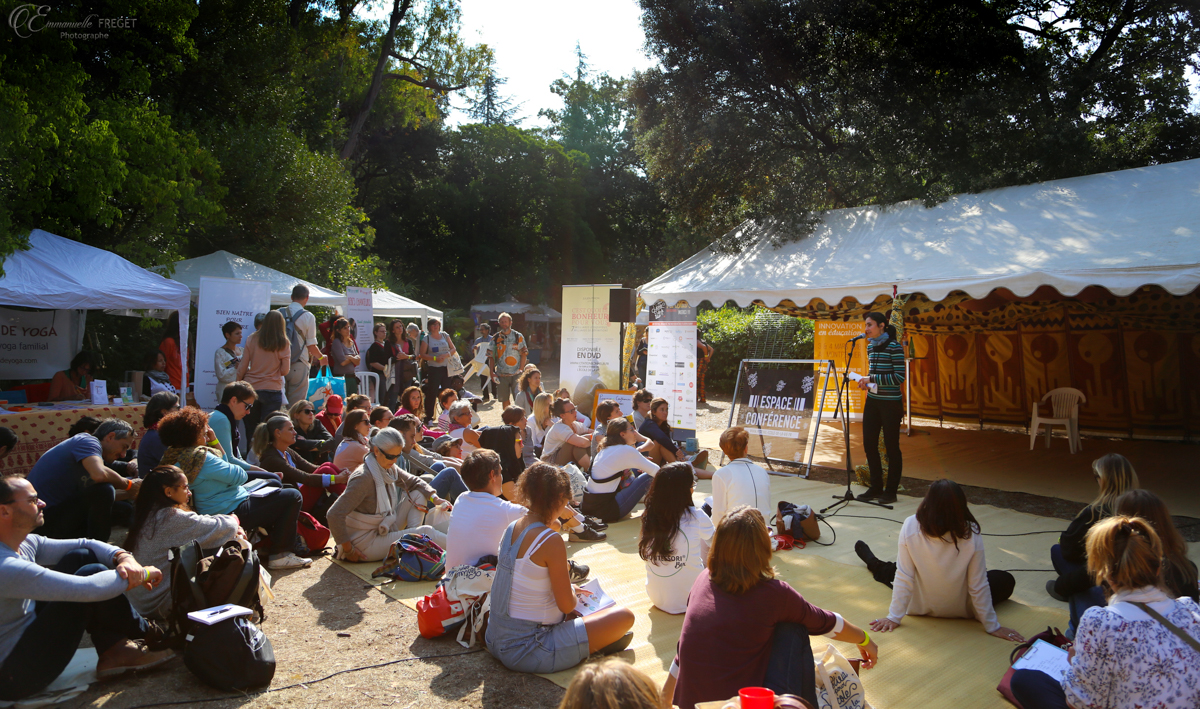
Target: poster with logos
[[35, 344], [359, 308], [830, 342], [671, 364], [591, 345], [776, 403], [223, 300]]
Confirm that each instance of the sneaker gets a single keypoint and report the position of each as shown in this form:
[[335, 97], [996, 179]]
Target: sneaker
[[129, 657], [596, 523], [869, 495], [1054, 594], [160, 636], [587, 535], [700, 459], [288, 560], [615, 647], [579, 572]]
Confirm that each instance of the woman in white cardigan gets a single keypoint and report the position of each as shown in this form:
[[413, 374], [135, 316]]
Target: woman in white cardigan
[[940, 569]]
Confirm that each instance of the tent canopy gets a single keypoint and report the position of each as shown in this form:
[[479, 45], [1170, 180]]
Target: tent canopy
[[1120, 230], [391, 305], [532, 313], [222, 264]]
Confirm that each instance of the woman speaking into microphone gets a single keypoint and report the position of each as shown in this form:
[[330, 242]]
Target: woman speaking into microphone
[[884, 407]]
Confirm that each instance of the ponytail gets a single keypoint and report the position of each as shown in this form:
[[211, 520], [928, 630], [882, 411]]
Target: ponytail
[[1124, 553]]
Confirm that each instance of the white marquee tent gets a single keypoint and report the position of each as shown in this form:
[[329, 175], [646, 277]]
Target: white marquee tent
[[56, 273], [1120, 230]]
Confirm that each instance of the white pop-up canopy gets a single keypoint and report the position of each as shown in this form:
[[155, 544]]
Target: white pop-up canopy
[[56, 273], [387, 304], [222, 264], [1120, 230]]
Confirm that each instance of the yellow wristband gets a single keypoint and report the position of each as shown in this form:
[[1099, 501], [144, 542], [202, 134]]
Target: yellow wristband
[[866, 639]]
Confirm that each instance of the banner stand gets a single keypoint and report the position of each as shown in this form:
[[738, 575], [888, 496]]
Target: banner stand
[[822, 371]]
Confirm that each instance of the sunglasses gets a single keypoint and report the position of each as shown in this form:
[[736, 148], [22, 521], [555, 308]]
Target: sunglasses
[[308, 411], [385, 455]]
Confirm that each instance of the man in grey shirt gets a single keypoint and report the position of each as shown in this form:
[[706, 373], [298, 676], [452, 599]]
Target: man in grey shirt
[[54, 589], [305, 325]]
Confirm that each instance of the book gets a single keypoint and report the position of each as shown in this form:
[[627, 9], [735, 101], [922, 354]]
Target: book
[[216, 614], [1045, 657], [590, 597]]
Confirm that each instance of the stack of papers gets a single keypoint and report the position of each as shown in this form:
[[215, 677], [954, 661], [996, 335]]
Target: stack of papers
[[1045, 657], [216, 614]]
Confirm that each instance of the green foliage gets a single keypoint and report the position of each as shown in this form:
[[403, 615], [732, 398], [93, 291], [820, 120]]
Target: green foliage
[[730, 330]]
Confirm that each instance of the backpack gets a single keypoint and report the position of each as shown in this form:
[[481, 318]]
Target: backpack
[[462, 598], [231, 655], [199, 580], [294, 337], [413, 557], [799, 521]]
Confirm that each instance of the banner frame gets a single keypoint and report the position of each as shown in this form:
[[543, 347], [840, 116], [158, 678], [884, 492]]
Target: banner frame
[[819, 408]]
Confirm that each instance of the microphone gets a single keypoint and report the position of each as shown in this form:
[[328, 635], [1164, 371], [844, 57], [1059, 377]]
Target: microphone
[[856, 338]]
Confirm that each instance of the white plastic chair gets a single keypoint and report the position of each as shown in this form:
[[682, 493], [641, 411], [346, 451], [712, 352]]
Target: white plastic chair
[[1064, 403], [365, 381]]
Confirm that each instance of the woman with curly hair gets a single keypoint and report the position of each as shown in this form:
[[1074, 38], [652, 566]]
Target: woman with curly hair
[[675, 538], [534, 626], [529, 385]]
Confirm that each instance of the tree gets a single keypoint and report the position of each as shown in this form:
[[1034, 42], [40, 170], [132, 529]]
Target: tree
[[489, 107], [788, 109]]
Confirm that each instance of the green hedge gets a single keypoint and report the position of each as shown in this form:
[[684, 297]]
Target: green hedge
[[729, 331]]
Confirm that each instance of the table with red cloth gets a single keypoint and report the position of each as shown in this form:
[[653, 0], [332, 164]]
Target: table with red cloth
[[42, 428]]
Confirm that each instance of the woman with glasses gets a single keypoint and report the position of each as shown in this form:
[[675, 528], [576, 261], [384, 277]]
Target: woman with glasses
[[460, 427], [382, 503], [314, 443], [568, 440]]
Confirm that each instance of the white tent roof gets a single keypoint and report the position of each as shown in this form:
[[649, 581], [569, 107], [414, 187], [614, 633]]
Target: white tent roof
[[222, 264], [1120, 230], [391, 305], [513, 307]]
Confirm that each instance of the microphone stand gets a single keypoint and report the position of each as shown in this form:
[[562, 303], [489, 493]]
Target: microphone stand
[[843, 407]]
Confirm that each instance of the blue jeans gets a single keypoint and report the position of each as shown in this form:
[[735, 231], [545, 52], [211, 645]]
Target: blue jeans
[[632, 493], [1080, 601], [48, 644], [790, 668], [268, 402], [276, 512], [1035, 689], [448, 484]]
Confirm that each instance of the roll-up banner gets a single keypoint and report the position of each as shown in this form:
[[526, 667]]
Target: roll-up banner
[[671, 364], [359, 307], [35, 344], [591, 345], [830, 343], [223, 300]]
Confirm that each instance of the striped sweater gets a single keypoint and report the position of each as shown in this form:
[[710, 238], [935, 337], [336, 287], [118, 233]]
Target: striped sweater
[[886, 367]]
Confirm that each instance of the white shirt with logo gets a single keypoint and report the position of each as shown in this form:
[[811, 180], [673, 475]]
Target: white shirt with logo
[[669, 583]]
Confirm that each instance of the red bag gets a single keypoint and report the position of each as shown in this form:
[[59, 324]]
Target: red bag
[[436, 614], [315, 534], [1050, 635]]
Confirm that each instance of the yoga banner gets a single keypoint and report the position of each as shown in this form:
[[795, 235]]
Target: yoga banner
[[830, 343], [671, 364], [223, 300], [34, 344], [359, 309], [591, 345]]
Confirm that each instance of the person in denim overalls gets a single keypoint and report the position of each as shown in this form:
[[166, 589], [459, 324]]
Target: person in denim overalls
[[533, 625]]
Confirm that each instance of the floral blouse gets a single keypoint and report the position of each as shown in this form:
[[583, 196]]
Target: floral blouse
[[1125, 659]]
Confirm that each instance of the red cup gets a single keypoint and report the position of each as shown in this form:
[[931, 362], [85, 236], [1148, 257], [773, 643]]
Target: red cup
[[757, 698]]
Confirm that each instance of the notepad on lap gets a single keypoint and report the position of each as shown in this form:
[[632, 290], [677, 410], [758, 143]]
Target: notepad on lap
[[1044, 657], [591, 598]]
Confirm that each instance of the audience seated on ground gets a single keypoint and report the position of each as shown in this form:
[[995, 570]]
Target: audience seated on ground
[[313, 441], [514, 416], [272, 445], [528, 386], [1115, 476], [480, 516], [741, 481], [412, 402], [236, 401], [54, 590], [656, 428], [75, 481], [508, 443], [529, 629], [641, 407], [744, 627], [8, 441], [378, 508], [568, 440], [458, 385], [620, 474], [611, 684], [353, 402], [162, 520], [1178, 576], [74, 383], [1126, 654], [429, 461], [675, 538], [331, 416], [380, 417], [217, 487], [609, 410], [150, 448], [940, 568], [541, 420], [460, 427], [356, 430]]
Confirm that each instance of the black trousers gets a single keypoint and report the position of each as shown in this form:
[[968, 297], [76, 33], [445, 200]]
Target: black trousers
[[883, 415], [87, 514], [1001, 582], [435, 382]]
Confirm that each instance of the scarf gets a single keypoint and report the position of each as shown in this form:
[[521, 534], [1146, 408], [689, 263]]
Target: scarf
[[163, 380], [235, 436], [189, 460], [878, 342]]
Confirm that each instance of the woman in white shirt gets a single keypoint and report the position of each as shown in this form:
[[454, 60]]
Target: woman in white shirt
[[741, 482], [542, 419], [1127, 654], [460, 427], [675, 538], [620, 475], [568, 440], [228, 356], [940, 569], [534, 626]]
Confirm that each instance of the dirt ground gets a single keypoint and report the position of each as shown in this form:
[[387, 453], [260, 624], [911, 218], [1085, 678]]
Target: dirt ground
[[326, 622]]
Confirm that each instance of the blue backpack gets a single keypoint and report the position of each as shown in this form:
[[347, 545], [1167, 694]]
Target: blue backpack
[[413, 557]]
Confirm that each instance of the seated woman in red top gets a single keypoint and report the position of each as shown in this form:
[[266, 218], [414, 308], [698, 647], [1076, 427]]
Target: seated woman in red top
[[745, 628]]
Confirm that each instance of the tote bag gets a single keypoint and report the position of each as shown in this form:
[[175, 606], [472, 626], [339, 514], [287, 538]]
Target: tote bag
[[838, 687], [323, 386]]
